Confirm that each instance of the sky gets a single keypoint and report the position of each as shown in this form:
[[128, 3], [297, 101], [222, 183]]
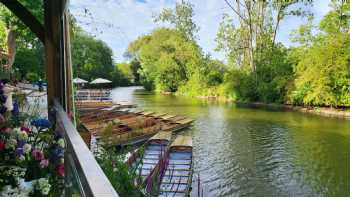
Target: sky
[[119, 22]]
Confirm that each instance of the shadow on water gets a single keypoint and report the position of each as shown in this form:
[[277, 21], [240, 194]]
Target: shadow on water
[[242, 151]]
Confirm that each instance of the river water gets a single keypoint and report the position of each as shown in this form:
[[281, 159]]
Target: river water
[[240, 151]]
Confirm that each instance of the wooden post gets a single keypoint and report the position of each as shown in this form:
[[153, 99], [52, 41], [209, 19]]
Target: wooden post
[[58, 58]]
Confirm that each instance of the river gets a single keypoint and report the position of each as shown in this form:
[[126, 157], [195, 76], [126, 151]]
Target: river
[[240, 151]]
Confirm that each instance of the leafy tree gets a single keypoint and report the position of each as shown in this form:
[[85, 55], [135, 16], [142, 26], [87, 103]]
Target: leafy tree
[[91, 58], [167, 59], [181, 18]]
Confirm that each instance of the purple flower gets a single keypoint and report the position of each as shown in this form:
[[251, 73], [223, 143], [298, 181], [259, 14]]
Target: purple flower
[[15, 110], [19, 151], [20, 143]]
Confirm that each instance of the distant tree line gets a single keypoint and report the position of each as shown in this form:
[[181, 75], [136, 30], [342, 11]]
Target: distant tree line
[[315, 71]]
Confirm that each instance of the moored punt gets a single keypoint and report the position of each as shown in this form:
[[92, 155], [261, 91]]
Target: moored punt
[[177, 125], [84, 104], [158, 115], [176, 118], [167, 117], [176, 178], [147, 113], [153, 151]]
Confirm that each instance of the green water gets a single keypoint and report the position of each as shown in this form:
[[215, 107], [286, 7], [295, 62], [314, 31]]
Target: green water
[[241, 151]]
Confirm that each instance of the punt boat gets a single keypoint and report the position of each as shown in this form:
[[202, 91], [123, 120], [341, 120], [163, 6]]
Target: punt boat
[[176, 177], [145, 159]]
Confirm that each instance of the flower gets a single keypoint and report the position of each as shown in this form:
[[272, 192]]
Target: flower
[[61, 143], [22, 135], [19, 151], [37, 154], [44, 163], [2, 145], [60, 170], [11, 144], [41, 122], [25, 129], [27, 148], [43, 185], [21, 158]]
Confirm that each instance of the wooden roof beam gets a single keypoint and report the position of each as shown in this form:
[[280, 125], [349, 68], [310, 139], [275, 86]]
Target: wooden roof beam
[[26, 17]]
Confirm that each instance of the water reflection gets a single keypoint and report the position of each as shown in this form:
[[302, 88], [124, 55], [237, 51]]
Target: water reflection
[[252, 152]]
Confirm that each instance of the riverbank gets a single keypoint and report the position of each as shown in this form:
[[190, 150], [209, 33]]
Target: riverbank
[[322, 111]]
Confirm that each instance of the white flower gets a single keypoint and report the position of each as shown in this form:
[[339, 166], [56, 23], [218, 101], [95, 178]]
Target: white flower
[[21, 158], [11, 144], [22, 135], [43, 185], [61, 143], [27, 148]]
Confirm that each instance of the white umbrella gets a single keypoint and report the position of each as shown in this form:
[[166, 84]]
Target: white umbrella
[[79, 81], [100, 81]]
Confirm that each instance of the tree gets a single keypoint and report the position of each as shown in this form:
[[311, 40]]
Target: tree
[[322, 68], [91, 58], [167, 59], [16, 31], [258, 23], [181, 18]]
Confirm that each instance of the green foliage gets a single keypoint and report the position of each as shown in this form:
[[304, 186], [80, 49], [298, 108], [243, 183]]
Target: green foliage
[[32, 77], [323, 74], [30, 60], [119, 78], [91, 58], [167, 59], [118, 173], [181, 18]]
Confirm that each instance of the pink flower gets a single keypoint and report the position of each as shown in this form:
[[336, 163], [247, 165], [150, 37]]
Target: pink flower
[[26, 129], [37, 154], [2, 145], [60, 170], [44, 163]]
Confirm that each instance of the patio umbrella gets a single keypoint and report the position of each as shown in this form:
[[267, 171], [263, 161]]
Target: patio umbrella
[[100, 81], [79, 81]]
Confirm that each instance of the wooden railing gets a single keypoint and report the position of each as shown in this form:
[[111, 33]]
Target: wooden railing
[[84, 176]]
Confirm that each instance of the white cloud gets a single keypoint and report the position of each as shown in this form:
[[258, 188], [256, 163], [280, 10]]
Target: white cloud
[[118, 22]]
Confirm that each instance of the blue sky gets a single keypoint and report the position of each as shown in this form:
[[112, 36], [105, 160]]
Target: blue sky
[[118, 22]]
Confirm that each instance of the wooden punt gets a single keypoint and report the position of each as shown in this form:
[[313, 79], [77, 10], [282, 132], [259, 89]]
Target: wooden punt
[[177, 125], [176, 118], [153, 150], [158, 115], [147, 113], [174, 171], [177, 177], [169, 116], [94, 104]]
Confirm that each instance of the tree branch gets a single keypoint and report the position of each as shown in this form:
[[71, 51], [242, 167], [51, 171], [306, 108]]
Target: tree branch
[[26, 17]]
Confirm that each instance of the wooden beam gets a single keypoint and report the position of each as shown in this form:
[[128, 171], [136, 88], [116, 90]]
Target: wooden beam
[[26, 17]]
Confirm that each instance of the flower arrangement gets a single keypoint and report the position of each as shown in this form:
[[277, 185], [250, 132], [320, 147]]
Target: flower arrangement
[[31, 153]]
